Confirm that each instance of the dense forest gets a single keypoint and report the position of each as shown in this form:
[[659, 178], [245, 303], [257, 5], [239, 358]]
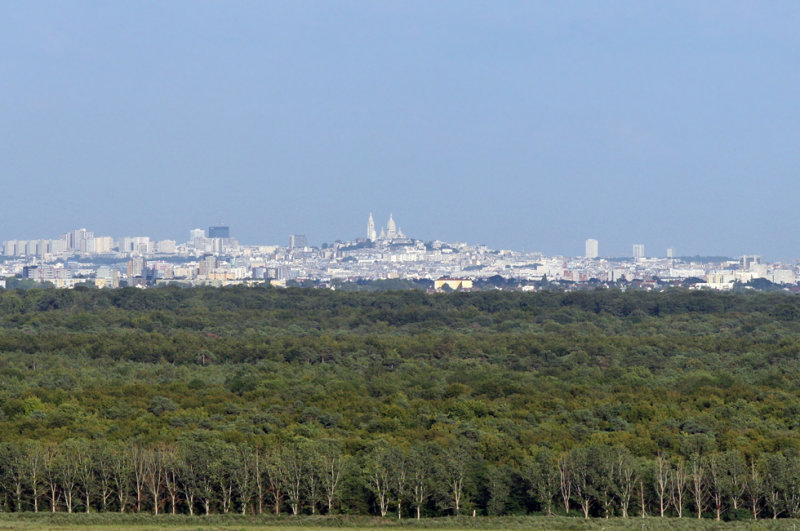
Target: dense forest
[[404, 404]]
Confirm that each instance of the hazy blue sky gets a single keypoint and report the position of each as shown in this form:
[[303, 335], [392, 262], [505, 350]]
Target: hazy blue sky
[[528, 125]]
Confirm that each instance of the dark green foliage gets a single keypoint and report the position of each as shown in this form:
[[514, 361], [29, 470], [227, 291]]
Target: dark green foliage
[[476, 399]]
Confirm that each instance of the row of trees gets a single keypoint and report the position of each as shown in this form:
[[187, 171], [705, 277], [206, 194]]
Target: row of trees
[[191, 477], [201, 478], [424, 479], [608, 481]]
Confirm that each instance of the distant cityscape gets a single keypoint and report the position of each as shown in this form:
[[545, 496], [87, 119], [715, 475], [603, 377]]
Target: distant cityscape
[[213, 257]]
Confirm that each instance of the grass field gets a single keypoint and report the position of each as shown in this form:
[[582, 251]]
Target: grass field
[[141, 521]]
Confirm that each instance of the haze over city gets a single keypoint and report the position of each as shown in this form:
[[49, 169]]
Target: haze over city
[[529, 126]]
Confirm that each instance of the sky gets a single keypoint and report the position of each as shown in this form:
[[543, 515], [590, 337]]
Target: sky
[[519, 125]]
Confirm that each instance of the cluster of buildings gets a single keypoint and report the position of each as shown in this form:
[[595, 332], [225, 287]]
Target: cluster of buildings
[[593, 250], [212, 257]]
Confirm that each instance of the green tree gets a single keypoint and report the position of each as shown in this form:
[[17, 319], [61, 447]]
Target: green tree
[[541, 473]]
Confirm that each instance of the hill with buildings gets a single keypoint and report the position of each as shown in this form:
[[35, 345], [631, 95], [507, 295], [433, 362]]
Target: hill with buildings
[[214, 258]]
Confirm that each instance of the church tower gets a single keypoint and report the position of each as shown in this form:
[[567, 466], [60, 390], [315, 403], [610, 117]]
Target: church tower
[[371, 234]]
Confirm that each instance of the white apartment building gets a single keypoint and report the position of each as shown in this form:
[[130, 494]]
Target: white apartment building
[[592, 248]]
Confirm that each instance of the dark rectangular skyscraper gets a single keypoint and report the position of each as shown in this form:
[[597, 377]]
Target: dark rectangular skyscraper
[[219, 232]]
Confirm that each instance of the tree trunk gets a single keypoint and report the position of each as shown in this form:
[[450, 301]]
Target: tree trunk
[[641, 498], [565, 482]]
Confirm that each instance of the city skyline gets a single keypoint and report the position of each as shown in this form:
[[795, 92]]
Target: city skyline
[[214, 257], [526, 125], [82, 240]]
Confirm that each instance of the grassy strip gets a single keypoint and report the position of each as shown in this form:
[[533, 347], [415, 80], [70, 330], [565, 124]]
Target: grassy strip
[[177, 522]]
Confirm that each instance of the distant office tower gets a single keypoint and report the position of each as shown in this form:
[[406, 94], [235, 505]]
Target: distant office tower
[[591, 248], [137, 244], [749, 260], [215, 245], [297, 241], [76, 240], [10, 247], [197, 237], [638, 250], [207, 264], [670, 252], [136, 266], [59, 246], [100, 245], [219, 232], [371, 234]]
